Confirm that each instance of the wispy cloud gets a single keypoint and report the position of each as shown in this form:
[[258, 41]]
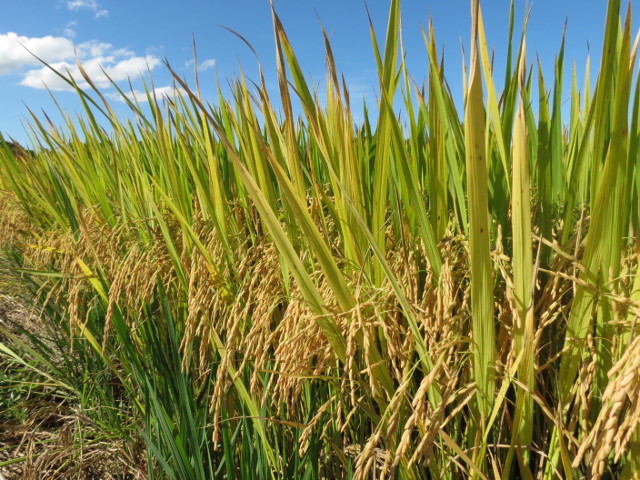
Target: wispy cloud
[[204, 65], [91, 5], [69, 29], [141, 97], [207, 64]]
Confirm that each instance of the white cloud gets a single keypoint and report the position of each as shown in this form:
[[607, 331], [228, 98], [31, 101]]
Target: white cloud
[[92, 5], [118, 69], [61, 54], [13, 56], [168, 91], [133, 66], [94, 48]]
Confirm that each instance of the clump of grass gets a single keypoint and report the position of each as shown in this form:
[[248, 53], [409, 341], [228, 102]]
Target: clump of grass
[[278, 296], [59, 412]]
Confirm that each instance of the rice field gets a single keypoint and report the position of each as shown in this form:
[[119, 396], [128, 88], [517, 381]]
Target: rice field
[[233, 290]]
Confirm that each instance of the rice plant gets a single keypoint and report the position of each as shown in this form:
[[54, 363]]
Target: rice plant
[[433, 293]]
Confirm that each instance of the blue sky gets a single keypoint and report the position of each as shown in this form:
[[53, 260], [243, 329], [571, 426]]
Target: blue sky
[[126, 37]]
